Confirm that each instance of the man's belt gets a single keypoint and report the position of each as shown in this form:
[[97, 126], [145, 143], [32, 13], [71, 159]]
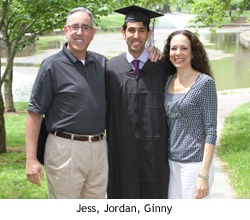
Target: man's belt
[[89, 138]]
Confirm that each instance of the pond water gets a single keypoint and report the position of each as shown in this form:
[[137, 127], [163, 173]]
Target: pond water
[[232, 71], [230, 61]]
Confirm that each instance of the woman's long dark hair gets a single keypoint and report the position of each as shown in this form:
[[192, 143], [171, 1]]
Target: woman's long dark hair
[[199, 62]]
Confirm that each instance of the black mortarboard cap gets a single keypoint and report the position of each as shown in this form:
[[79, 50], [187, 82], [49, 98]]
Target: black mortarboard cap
[[137, 14]]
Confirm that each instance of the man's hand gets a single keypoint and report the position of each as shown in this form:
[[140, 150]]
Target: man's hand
[[33, 167], [154, 54], [33, 170]]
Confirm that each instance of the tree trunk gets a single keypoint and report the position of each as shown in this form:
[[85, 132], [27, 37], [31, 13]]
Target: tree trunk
[[3, 148], [178, 9], [8, 96], [166, 7]]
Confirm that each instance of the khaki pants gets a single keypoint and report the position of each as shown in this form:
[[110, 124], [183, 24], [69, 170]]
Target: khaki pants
[[76, 169]]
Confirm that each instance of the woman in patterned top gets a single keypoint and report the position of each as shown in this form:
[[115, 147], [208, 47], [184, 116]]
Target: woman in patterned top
[[191, 110]]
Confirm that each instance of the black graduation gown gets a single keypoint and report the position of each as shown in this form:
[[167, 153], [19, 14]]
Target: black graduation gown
[[136, 130]]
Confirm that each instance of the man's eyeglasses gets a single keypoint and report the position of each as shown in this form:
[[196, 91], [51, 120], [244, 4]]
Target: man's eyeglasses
[[75, 28]]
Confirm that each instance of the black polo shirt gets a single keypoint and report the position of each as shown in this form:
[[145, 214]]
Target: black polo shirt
[[70, 94]]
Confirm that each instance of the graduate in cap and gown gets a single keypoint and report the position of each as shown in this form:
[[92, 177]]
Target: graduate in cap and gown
[[136, 124]]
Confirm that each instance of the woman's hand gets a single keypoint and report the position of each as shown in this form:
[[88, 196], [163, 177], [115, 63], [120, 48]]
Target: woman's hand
[[201, 188]]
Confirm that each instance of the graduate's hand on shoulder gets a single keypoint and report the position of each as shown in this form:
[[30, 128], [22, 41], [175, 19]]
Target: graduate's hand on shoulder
[[154, 54]]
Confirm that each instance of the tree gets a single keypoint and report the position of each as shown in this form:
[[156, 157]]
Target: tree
[[208, 11], [23, 21], [2, 123], [166, 6]]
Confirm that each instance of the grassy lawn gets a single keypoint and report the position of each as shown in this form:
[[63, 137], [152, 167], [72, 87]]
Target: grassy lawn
[[112, 21], [13, 182], [235, 149]]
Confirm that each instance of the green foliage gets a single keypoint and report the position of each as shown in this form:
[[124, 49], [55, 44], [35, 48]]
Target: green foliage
[[26, 19], [208, 12], [235, 149], [183, 3]]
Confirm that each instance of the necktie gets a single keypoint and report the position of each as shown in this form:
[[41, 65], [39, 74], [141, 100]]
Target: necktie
[[136, 69]]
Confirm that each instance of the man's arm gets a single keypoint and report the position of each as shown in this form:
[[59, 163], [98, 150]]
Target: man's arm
[[33, 167]]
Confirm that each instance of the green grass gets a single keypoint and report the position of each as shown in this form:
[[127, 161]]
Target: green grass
[[16, 125], [112, 21], [235, 149], [49, 39], [15, 129], [21, 106], [13, 181]]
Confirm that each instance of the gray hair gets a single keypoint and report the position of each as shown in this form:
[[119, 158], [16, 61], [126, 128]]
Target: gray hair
[[81, 9]]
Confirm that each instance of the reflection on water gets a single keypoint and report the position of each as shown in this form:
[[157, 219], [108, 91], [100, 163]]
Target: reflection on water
[[36, 49], [231, 72], [24, 78], [229, 59]]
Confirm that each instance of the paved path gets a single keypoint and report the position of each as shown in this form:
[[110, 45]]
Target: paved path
[[227, 101]]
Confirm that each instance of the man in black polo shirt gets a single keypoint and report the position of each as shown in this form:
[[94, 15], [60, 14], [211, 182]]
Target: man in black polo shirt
[[70, 91]]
